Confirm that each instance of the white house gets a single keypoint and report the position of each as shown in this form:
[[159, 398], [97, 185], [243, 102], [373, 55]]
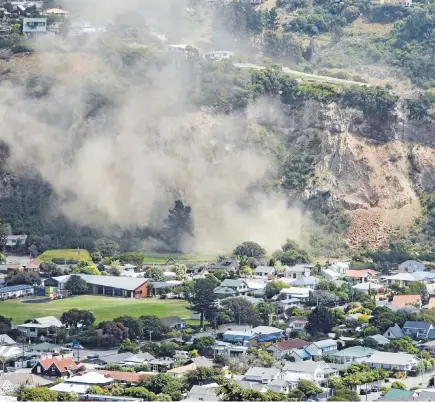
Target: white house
[[39, 326], [321, 348], [264, 271], [394, 332], [298, 271], [206, 393], [33, 26], [262, 375], [340, 267], [303, 294], [387, 360], [314, 369]]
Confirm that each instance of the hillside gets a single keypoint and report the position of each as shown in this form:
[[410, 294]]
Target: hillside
[[335, 152]]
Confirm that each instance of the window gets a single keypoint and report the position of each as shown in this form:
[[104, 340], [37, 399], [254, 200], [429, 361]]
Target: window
[[38, 369], [53, 369]]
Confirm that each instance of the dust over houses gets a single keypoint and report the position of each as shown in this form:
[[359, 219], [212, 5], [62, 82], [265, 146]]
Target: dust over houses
[[115, 286]]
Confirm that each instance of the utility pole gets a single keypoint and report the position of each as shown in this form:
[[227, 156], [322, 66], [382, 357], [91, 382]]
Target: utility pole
[[150, 332]]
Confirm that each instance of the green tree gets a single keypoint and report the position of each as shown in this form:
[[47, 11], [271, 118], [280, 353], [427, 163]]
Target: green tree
[[249, 249], [37, 394], [136, 258], [399, 385], [180, 272], [67, 397], [154, 324], [165, 384], [135, 325], [74, 317], [76, 285], [97, 390], [23, 278], [308, 388], [178, 226], [203, 375], [319, 321], [344, 395], [115, 268], [128, 346], [87, 269], [156, 274], [106, 247], [266, 312], [273, 288], [203, 300], [204, 343]]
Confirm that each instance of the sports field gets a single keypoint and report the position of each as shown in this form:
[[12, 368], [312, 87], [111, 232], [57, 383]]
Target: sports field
[[103, 308], [67, 254]]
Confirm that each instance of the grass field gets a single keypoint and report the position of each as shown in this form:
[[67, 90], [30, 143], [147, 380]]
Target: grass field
[[67, 254], [160, 259], [103, 308]]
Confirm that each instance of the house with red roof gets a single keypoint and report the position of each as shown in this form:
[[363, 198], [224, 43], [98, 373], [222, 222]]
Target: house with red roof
[[55, 367], [124, 377], [401, 301], [280, 349], [362, 275]]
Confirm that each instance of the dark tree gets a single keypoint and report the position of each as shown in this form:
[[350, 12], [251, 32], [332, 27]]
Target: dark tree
[[23, 278], [75, 316], [135, 326], [5, 231], [177, 226], [106, 247], [76, 285], [203, 297], [250, 249], [155, 325], [319, 321], [114, 330]]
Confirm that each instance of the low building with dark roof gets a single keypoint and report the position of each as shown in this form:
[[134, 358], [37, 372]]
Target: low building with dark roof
[[174, 322], [281, 349], [106, 285]]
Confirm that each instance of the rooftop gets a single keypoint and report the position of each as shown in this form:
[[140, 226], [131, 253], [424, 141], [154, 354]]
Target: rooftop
[[404, 300], [91, 377], [390, 358], [118, 282], [354, 352], [15, 288], [360, 273], [290, 344], [417, 325], [62, 364]]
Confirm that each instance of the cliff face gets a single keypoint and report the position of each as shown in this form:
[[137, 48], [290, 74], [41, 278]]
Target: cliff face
[[377, 172]]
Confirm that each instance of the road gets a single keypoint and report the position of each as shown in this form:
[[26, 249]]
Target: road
[[315, 77]]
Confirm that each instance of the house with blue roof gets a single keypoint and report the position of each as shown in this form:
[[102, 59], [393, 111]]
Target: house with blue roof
[[12, 292], [417, 329], [322, 348]]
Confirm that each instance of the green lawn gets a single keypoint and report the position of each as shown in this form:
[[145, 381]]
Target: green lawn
[[67, 254], [160, 259], [104, 308]]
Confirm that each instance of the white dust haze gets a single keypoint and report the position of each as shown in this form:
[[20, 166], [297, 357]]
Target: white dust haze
[[127, 163]]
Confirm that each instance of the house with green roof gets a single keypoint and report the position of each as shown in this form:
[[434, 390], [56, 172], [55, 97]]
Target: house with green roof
[[395, 394], [352, 354]]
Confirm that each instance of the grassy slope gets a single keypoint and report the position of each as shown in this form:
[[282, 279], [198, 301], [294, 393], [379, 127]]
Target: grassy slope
[[68, 254], [155, 258], [104, 308]]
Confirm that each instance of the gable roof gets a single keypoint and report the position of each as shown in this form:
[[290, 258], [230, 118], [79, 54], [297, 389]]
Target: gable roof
[[6, 340], [91, 377], [116, 357], [325, 343], [390, 358], [404, 300], [26, 378], [265, 330], [49, 321], [415, 265], [122, 376], [299, 268], [360, 273], [262, 372], [225, 290], [233, 283], [308, 367], [117, 282], [62, 364], [290, 344], [380, 339], [402, 276], [354, 352], [265, 269], [172, 320], [417, 325], [306, 281], [396, 331]]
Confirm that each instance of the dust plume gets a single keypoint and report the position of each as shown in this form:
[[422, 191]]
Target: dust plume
[[120, 144]]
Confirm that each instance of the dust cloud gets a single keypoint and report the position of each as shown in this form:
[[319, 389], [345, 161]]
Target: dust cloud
[[119, 149]]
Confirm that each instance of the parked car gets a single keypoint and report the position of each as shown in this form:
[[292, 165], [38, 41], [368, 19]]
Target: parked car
[[375, 388], [92, 356], [76, 346], [364, 391]]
